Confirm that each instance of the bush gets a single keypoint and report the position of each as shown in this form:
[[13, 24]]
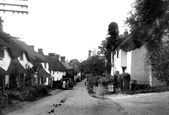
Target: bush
[[15, 95], [148, 89], [28, 93], [33, 93]]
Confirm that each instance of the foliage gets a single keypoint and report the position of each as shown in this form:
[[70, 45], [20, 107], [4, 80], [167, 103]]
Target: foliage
[[29, 77], [147, 89], [149, 24], [106, 54], [28, 93], [159, 59], [94, 65], [108, 44], [92, 81], [113, 31], [75, 64]]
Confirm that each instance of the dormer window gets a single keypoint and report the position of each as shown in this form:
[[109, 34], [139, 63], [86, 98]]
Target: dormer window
[[1, 54]]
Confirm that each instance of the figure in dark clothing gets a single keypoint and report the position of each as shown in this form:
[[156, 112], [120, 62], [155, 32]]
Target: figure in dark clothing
[[115, 82], [121, 82], [126, 81]]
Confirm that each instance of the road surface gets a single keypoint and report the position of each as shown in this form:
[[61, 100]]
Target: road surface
[[71, 102], [143, 104]]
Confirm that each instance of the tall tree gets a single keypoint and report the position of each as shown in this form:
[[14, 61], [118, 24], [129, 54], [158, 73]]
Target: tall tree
[[149, 23], [113, 33]]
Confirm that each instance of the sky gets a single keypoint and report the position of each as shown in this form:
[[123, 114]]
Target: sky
[[66, 27]]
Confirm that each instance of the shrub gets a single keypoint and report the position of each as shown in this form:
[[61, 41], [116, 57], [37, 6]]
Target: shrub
[[42, 90]]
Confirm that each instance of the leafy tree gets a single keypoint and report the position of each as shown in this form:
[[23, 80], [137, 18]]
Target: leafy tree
[[149, 24], [113, 31], [75, 64], [94, 65], [106, 54], [102, 48], [109, 43]]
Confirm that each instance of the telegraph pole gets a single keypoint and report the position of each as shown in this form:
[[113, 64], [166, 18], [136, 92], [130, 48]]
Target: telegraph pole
[[11, 6]]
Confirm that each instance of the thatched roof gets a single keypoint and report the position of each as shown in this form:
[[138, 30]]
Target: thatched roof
[[69, 69], [33, 55], [5, 40], [16, 67], [42, 73], [55, 64], [128, 43], [67, 66], [3, 72]]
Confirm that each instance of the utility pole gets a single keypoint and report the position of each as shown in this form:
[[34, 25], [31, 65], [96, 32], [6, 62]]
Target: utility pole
[[11, 6]]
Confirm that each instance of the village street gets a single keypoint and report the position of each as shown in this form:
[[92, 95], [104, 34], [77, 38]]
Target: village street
[[79, 102], [71, 102]]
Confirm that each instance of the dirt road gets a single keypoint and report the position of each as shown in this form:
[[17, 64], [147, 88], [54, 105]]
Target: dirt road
[[71, 102], [143, 104]]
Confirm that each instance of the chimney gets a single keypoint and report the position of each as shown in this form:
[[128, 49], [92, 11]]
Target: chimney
[[125, 33], [89, 53], [54, 55], [51, 54], [57, 56], [32, 46], [62, 58], [40, 51]]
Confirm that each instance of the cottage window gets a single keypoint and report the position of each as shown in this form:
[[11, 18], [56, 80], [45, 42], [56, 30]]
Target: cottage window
[[45, 65], [21, 57], [1, 54], [124, 69], [117, 54]]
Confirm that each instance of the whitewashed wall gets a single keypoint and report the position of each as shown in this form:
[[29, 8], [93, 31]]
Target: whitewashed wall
[[129, 58], [117, 62], [58, 75], [25, 63], [5, 62]]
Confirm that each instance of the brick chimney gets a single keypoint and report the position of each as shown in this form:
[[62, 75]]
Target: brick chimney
[[62, 58], [32, 46], [40, 51], [57, 56], [54, 55], [51, 54]]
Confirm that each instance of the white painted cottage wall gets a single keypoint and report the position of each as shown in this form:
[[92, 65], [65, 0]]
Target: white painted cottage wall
[[25, 63], [117, 62], [5, 62], [58, 75], [129, 58]]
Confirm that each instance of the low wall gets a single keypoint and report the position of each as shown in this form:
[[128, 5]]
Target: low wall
[[100, 89]]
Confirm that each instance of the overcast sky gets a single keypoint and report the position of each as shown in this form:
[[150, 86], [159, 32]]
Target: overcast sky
[[67, 27]]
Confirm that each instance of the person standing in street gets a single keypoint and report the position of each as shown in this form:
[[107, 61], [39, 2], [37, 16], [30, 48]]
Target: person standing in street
[[64, 84]]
